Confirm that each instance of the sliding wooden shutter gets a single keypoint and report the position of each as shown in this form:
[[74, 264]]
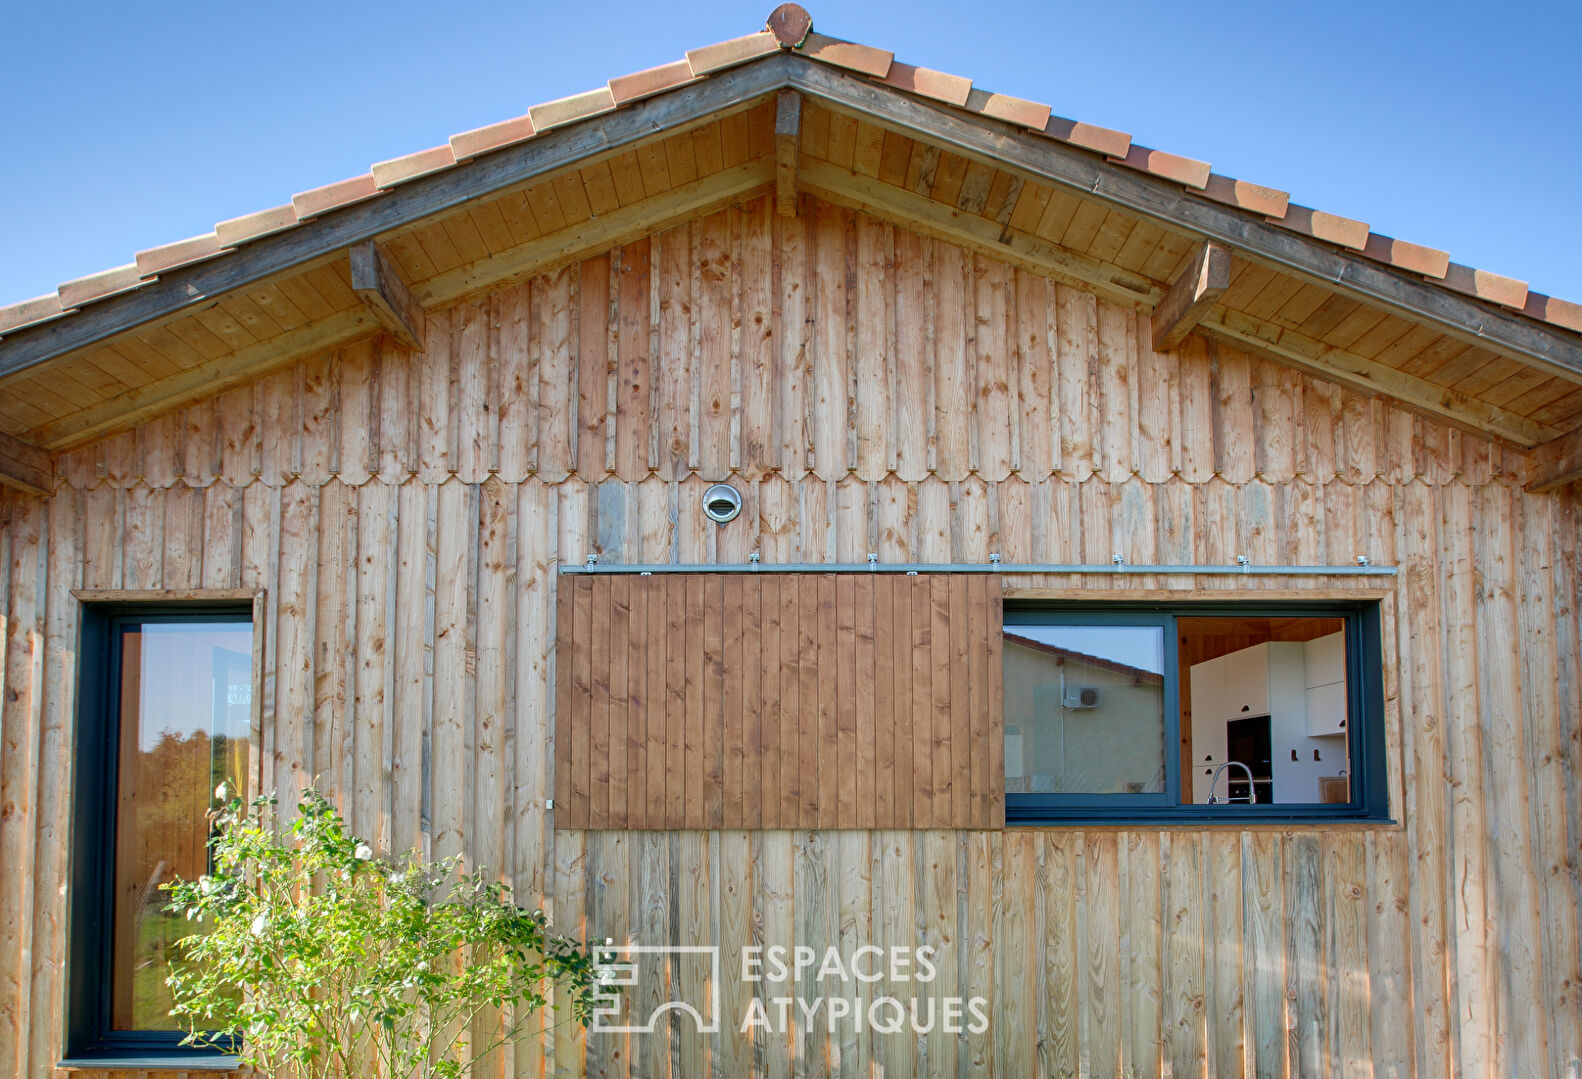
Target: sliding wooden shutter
[[777, 700]]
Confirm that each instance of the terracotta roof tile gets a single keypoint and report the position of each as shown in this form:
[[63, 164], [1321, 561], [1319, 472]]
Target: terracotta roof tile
[[1013, 110], [1407, 256], [1089, 136], [1183, 170], [156, 260], [252, 226], [481, 140], [1505, 291], [332, 196], [15, 316], [738, 50], [951, 89], [571, 109], [641, 84], [847, 54], [1553, 311], [97, 286], [401, 169], [1253, 197], [1330, 228]]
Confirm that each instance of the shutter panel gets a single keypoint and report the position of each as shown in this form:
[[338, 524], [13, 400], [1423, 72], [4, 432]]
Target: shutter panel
[[776, 700]]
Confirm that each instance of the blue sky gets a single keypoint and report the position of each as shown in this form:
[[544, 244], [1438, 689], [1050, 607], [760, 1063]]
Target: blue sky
[[1457, 125]]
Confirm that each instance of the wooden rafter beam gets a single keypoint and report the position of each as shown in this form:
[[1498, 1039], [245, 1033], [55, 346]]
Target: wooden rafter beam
[[1198, 288], [1555, 463], [25, 466], [788, 127], [381, 289], [1373, 378], [544, 253], [1048, 161], [1356, 372]]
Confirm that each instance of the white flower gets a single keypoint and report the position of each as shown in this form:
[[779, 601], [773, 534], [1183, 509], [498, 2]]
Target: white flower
[[363, 852], [260, 923], [219, 792]]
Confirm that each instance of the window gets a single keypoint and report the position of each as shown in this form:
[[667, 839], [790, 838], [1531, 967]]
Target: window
[[1202, 711], [165, 712]]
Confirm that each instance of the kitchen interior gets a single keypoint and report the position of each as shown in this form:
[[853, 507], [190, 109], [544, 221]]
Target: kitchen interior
[[1263, 704]]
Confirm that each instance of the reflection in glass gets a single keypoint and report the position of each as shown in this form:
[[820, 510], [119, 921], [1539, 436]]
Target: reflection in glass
[[1084, 709], [185, 700]]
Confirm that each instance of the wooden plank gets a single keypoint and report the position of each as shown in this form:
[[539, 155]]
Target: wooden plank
[[676, 668], [846, 716], [379, 286], [788, 123], [592, 366], [733, 701], [1192, 293], [579, 714], [695, 702], [25, 467]]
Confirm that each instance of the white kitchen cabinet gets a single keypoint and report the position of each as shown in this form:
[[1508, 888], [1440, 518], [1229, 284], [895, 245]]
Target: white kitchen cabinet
[[1247, 682], [1326, 710], [1326, 660], [1207, 686]]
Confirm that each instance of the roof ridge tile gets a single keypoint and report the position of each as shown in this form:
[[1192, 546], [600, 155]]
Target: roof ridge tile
[[1089, 136], [1405, 255], [567, 110], [480, 140], [156, 260], [738, 50], [97, 286], [939, 85], [256, 224], [320, 200], [847, 54], [1331, 228], [1255, 198], [27, 312], [398, 170], [1183, 170], [1013, 110], [1493, 287], [640, 84]]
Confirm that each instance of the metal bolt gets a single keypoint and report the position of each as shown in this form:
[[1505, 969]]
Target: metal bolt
[[593, 560]]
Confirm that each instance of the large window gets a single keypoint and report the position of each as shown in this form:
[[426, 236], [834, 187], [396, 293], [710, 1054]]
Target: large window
[[1211, 712], [166, 703]]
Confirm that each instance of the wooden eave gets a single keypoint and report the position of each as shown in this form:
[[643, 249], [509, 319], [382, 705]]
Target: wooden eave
[[1475, 344]]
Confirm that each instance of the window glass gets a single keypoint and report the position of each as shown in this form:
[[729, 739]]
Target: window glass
[[1084, 709], [185, 697], [1206, 710]]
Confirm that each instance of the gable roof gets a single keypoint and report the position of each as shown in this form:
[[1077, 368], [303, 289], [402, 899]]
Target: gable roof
[[1076, 201]]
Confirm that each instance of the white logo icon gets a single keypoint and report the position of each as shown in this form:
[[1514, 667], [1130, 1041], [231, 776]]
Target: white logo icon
[[621, 967]]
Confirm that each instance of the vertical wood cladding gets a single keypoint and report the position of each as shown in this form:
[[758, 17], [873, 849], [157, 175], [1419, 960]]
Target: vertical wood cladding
[[778, 701], [406, 515]]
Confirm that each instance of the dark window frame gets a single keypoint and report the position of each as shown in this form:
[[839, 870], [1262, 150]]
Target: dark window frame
[[90, 1037], [1367, 760]]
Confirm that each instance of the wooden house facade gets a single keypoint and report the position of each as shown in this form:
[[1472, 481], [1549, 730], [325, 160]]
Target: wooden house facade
[[912, 324]]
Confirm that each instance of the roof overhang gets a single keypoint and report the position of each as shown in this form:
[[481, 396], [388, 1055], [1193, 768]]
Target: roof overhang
[[1090, 175]]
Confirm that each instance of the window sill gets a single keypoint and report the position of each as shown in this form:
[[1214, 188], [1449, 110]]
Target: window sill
[[191, 1065], [1217, 823]]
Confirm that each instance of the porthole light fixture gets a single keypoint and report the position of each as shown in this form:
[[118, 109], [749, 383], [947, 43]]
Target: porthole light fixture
[[721, 503]]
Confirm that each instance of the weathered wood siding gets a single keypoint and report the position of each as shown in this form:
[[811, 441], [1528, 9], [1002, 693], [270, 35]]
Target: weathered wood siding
[[874, 391]]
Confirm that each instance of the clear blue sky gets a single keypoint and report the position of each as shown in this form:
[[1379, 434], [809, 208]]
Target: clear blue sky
[[1457, 125]]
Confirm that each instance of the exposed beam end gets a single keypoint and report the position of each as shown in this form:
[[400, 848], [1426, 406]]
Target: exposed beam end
[[1555, 463], [1200, 285], [379, 287], [25, 467], [788, 127]]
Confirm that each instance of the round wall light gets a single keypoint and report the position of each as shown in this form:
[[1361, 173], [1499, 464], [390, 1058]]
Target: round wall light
[[721, 503]]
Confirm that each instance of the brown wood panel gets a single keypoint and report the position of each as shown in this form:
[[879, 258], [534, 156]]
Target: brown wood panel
[[801, 694]]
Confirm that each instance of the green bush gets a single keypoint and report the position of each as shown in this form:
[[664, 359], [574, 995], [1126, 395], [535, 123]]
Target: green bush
[[316, 957]]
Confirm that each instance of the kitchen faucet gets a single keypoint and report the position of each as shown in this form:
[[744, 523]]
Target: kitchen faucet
[[1212, 783]]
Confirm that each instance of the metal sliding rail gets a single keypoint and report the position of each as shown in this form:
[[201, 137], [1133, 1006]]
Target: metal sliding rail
[[1361, 569]]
